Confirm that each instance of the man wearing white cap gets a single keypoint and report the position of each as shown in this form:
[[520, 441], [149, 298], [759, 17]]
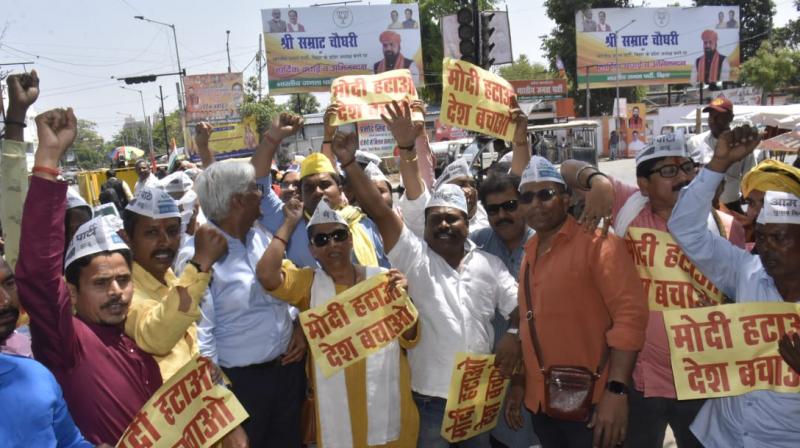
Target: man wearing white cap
[[105, 376], [640, 217], [455, 285], [78, 213], [759, 418], [586, 310]]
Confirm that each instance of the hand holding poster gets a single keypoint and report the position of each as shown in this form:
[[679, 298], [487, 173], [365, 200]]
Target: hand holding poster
[[365, 97], [476, 394], [357, 323], [187, 411], [476, 99], [729, 350]]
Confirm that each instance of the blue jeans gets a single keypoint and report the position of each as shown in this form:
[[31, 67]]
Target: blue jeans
[[431, 414]]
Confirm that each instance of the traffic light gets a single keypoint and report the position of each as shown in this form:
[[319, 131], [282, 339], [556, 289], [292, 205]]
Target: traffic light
[[139, 79], [486, 39], [467, 35]]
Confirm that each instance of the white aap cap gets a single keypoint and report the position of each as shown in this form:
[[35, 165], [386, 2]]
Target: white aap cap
[[779, 208], [374, 173], [177, 182], [365, 157], [95, 236], [668, 145], [448, 195], [324, 214], [540, 169], [456, 169], [154, 203], [186, 206], [74, 200]]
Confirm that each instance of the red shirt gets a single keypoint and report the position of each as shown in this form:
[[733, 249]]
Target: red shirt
[[106, 378]]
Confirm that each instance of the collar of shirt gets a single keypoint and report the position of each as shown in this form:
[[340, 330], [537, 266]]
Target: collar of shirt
[[106, 333], [565, 233], [152, 287]]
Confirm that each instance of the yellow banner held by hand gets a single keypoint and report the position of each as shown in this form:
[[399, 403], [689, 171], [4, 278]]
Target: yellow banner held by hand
[[476, 394], [357, 323], [476, 99], [365, 97], [728, 350], [187, 411]]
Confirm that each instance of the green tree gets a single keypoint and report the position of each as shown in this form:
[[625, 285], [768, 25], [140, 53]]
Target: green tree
[[522, 68], [789, 35], [174, 131], [771, 68], [264, 111], [303, 103], [88, 146], [755, 22]]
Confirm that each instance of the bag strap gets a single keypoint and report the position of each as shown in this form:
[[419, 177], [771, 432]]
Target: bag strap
[[537, 346]]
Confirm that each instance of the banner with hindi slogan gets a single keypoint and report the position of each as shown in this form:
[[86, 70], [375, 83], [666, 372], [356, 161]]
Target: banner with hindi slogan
[[669, 279], [364, 98], [307, 48], [188, 411], [476, 99], [675, 45], [475, 399], [357, 323], [731, 349]]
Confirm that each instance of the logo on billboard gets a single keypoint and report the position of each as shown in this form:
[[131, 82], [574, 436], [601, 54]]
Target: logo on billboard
[[342, 17], [661, 17]]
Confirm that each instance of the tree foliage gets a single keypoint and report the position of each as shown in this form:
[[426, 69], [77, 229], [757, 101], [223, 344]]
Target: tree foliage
[[771, 68], [88, 146], [523, 68], [303, 103], [265, 110], [789, 35], [174, 131], [755, 20]]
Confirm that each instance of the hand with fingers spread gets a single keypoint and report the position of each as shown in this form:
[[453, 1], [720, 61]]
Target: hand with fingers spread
[[398, 120], [286, 125], [789, 348], [330, 114], [344, 147], [733, 146], [202, 134], [56, 130]]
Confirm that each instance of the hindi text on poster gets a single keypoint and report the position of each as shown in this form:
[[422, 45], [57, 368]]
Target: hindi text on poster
[[365, 97]]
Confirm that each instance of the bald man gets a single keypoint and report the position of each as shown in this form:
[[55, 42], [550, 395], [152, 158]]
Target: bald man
[[712, 66], [392, 58]]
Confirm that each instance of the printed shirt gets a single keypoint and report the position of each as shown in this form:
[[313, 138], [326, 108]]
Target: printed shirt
[[241, 324], [34, 413], [653, 372], [456, 307], [87, 359], [155, 322], [755, 419], [586, 295]]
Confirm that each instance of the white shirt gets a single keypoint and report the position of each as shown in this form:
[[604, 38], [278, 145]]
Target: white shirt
[[701, 149], [756, 419], [413, 213], [151, 181], [456, 307]]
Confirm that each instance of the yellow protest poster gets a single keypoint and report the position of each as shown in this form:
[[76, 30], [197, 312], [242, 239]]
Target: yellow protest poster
[[476, 99], [476, 394], [187, 411], [357, 323], [365, 97], [670, 280], [728, 350]]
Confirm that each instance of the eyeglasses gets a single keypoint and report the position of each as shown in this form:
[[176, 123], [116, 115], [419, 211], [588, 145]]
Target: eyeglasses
[[669, 171], [322, 239], [508, 206], [543, 195]]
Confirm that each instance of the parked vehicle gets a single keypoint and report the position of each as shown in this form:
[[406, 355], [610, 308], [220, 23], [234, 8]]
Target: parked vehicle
[[562, 141]]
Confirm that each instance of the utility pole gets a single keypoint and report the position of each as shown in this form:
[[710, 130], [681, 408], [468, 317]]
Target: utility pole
[[228, 47], [258, 61], [164, 118], [588, 93]]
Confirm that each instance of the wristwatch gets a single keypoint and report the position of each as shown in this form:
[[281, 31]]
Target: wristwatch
[[616, 387]]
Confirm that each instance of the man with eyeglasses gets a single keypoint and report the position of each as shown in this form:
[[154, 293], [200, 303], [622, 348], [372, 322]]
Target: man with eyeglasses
[[640, 217], [290, 184]]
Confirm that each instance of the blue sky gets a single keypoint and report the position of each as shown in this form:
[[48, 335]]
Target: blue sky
[[78, 45]]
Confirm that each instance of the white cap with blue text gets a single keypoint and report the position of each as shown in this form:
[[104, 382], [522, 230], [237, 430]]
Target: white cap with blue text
[[95, 236], [668, 145], [540, 169], [74, 200], [177, 182], [458, 168], [448, 195], [324, 214], [154, 203], [779, 208]]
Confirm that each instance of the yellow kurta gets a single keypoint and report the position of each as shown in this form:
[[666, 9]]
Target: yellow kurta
[[296, 290], [155, 322]]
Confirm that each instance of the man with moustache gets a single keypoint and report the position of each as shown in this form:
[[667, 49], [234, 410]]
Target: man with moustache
[[712, 66], [392, 58], [662, 169]]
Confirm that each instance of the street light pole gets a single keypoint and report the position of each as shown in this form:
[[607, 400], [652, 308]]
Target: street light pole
[[228, 48], [616, 64], [177, 53], [144, 117]]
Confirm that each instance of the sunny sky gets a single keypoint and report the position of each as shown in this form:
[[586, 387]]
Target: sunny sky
[[78, 46]]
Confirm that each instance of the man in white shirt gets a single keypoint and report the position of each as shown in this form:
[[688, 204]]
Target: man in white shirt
[[146, 178], [456, 286]]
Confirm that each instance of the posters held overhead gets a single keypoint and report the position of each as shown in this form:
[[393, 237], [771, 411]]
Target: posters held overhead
[[307, 48], [657, 45], [365, 97]]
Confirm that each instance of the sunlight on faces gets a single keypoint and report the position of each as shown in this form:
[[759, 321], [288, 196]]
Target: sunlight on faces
[[155, 243], [663, 191], [468, 186], [334, 253], [248, 204], [105, 290], [509, 225], [778, 248], [316, 186], [545, 216], [446, 228]]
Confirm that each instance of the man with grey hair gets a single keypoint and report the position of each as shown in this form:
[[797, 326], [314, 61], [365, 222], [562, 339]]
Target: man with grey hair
[[244, 330]]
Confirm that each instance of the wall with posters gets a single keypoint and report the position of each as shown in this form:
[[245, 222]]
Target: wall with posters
[[658, 45], [636, 128], [307, 48]]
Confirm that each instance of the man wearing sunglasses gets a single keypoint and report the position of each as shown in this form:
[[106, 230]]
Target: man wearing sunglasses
[[640, 215]]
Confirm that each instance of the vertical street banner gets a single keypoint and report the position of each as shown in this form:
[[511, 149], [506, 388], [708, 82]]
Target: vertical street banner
[[731, 349], [475, 399], [476, 99], [187, 411], [636, 127], [307, 48], [651, 46]]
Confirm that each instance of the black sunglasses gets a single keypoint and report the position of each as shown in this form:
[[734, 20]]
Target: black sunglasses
[[508, 206], [669, 171], [543, 195], [322, 239]]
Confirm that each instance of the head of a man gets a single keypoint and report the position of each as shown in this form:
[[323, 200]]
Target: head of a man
[[635, 111], [732, 15], [601, 16], [318, 180], [409, 13], [290, 186], [78, 213], [9, 301], [635, 136], [292, 16], [152, 225], [446, 221], [499, 194], [381, 182], [719, 119], [329, 238], [229, 192], [769, 175], [587, 14], [111, 173], [394, 15], [721, 16], [777, 235], [142, 169], [543, 196], [662, 169], [709, 38], [276, 14], [390, 41]]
